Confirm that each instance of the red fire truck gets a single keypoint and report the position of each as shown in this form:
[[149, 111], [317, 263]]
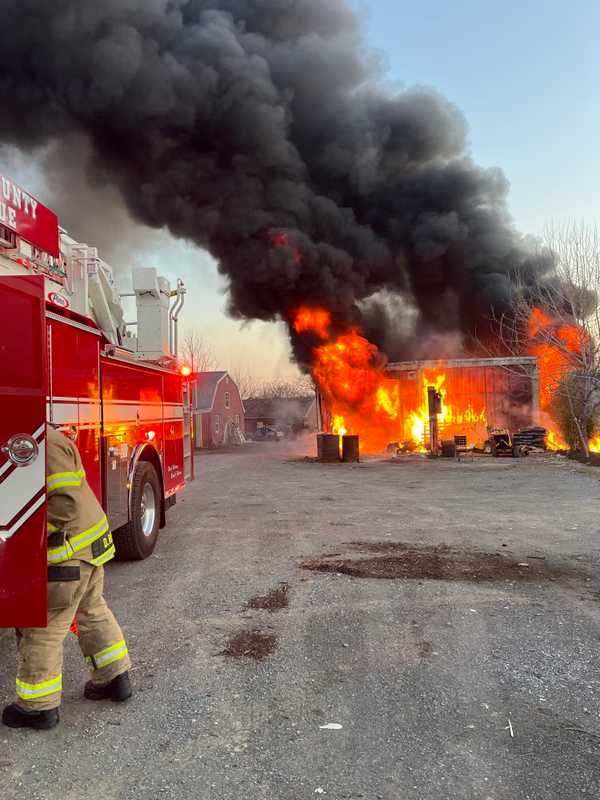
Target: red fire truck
[[68, 357]]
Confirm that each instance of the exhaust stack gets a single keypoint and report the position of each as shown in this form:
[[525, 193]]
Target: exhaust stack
[[152, 297], [174, 317]]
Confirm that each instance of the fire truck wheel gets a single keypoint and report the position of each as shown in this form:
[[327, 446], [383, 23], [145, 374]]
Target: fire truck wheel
[[137, 540]]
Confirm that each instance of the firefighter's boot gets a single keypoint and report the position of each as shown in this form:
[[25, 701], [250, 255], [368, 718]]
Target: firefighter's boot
[[15, 717], [119, 689]]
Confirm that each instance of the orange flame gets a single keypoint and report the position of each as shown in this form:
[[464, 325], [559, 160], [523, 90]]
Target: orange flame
[[339, 426], [316, 320], [557, 347], [350, 373], [555, 442], [452, 421], [554, 345]]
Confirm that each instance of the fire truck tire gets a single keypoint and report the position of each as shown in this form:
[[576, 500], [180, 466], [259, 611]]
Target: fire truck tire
[[137, 540]]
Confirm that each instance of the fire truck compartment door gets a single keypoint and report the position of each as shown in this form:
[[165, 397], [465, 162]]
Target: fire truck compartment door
[[23, 368]]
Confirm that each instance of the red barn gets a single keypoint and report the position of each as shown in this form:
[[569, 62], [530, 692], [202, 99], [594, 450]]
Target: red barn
[[218, 411]]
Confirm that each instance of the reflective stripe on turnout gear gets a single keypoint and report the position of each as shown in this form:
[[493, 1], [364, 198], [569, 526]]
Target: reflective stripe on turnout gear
[[83, 530], [101, 560], [109, 655], [52, 528], [59, 480], [74, 544], [86, 538], [59, 554], [37, 691]]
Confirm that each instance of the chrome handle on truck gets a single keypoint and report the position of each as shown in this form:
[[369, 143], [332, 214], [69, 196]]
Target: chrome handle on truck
[[21, 449]]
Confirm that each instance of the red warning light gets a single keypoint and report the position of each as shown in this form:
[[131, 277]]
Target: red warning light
[[186, 371]]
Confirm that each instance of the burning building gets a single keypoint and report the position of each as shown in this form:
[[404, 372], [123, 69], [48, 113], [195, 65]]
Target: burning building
[[362, 393], [476, 395]]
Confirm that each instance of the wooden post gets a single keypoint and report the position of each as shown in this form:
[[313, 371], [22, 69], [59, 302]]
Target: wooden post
[[535, 394], [435, 402]]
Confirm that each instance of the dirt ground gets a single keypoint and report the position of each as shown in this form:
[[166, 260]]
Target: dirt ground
[[407, 630]]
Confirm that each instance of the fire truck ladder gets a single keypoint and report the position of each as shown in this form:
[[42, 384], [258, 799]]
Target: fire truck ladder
[[188, 437], [95, 289]]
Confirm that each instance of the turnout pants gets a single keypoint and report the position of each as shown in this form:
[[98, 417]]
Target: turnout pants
[[40, 650]]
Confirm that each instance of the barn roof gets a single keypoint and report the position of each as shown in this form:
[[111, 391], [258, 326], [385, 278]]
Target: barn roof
[[207, 384], [278, 408]]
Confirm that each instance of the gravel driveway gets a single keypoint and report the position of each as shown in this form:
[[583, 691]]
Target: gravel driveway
[[267, 668]]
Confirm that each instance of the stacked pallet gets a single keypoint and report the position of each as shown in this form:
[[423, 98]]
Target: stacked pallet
[[531, 437]]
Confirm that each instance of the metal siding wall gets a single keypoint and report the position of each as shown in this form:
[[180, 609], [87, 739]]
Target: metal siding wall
[[505, 394]]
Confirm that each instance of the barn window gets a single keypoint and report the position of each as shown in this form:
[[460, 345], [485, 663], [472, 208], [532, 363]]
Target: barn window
[[227, 400], [237, 419], [218, 423]]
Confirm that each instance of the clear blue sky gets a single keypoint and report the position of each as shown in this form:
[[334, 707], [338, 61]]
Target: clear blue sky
[[526, 76]]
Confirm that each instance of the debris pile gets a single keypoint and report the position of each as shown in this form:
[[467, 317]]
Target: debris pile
[[397, 560], [531, 437], [275, 600], [250, 644]]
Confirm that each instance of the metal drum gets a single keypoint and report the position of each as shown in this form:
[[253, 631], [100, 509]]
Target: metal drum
[[350, 449], [328, 448]]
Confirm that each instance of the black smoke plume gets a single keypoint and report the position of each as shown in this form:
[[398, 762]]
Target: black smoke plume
[[259, 129]]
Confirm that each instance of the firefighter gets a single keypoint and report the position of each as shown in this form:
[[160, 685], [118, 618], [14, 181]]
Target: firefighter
[[79, 544]]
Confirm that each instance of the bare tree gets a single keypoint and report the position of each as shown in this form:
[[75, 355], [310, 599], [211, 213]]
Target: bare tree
[[252, 387], [243, 377], [558, 320], [197, 353], [302, 387]]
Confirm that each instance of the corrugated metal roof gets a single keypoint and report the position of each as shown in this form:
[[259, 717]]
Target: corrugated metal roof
[[462, 363]]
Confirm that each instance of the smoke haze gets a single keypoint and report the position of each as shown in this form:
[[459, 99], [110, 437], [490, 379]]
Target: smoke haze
[[259, 130]]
